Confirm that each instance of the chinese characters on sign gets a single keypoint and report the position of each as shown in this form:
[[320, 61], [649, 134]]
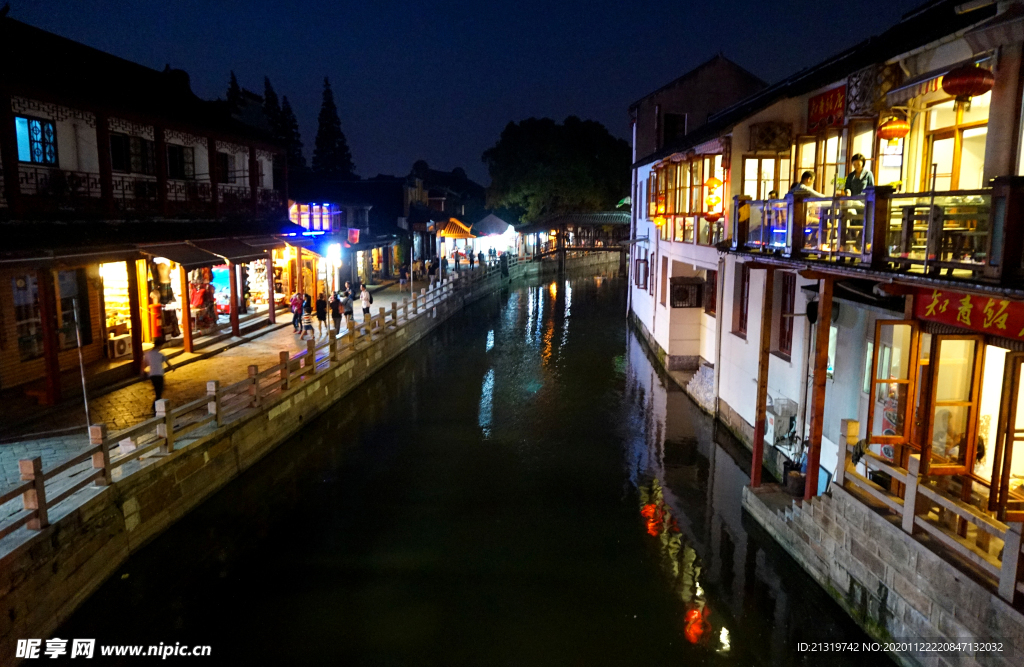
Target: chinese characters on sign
[[826, 110], [983, 314]]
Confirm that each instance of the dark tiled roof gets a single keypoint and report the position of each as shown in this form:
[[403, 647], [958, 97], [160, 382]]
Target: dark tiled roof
[[576, 219], [922, 26], [716, 60], [40, 64]]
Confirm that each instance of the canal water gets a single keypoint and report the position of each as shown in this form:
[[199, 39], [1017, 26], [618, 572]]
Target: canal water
[[521, 488]]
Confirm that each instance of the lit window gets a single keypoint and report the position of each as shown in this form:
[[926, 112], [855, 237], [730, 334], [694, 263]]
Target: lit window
[[37, 140], [833, 339]]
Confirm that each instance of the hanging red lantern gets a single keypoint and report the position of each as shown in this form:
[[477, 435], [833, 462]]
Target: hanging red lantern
[[893, 129], [967, 81]]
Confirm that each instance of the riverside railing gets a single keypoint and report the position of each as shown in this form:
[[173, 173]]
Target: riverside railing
[[994, 549], [115, 456]]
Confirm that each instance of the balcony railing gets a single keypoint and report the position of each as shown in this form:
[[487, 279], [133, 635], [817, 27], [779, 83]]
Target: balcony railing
[[135, 192], [963, 234], [57, 183]]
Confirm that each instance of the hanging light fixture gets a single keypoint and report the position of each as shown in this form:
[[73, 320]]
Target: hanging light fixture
[[967, 81], [713, 199], [893, 129]]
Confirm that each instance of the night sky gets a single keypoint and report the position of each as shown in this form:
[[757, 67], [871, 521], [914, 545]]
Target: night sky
[[439, 81]]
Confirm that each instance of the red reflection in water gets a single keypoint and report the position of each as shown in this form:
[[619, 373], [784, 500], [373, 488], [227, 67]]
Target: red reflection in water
[[696, 624], [654, 516]]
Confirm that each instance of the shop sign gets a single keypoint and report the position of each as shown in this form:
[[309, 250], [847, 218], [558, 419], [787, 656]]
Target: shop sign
[[826, 110], [984, 314]]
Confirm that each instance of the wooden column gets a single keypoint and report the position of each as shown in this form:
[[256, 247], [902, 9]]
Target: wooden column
[[211, 160], [233, 314], [106, 167], [135, 315], [161, 169], [254, 178], [272, 315], [818, 388], [186, 308], [48, 316], [9, 154], [762, 377]]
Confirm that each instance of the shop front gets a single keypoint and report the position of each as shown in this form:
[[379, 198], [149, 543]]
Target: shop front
[[947, 385]]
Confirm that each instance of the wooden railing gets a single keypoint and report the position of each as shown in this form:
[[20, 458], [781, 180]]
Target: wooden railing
[[109, 456], [923, 506]]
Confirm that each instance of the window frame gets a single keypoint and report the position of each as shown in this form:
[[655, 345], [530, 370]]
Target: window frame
[[954, 131], [787, 312], [56, 153], [741, 301], [711, 292]]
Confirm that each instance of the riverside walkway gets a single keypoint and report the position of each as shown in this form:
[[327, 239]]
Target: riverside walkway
[[129, 405]]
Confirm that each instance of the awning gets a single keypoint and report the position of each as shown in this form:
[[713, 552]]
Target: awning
[[712, 147], [264, 242], [232, 250], [924, 83], [185, 254], [1000, 30], [453, 229]]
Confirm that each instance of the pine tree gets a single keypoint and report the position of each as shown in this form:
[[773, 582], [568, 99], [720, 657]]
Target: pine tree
[[234, 94], [272, 108], [331, 156], [290, 137]]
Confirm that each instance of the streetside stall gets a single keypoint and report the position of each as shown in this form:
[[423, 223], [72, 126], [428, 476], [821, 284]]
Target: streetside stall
[[231, 280], [180, 294]]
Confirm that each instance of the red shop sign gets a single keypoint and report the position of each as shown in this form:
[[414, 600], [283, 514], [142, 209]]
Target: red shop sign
[[826, 110], [984, 314]]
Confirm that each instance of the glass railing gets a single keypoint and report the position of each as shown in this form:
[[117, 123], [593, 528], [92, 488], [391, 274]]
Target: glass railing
[[932, 231], [835, 227], [768, 225]]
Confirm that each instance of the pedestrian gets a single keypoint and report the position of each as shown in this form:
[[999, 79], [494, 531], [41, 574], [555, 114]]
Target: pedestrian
[[470, 255], [296, 306], [154, 361], [336, 312], [366, 299], [307, 324], [431, 270], [403, 275], [481, 257], [321, 314], [444, 267], [346, 304]]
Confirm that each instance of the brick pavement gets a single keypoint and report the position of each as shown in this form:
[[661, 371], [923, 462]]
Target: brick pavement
[[129, 405]]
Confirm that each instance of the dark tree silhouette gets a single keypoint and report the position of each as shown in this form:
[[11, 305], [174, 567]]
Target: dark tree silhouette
[[272, 108], [290, 137], [331, 156], [234, 93], [539, 168]]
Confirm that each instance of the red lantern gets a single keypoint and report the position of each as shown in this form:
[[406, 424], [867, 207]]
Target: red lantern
[[893, 129], [967, 81]]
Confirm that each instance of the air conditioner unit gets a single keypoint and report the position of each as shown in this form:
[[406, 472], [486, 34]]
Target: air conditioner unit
[[119, 346]]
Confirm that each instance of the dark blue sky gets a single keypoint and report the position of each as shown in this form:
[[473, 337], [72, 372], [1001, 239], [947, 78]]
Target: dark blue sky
[[439, 81]]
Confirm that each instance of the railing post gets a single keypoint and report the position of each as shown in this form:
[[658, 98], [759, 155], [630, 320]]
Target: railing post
[[415, 304], [332, 347], [350, 336], [933, 244], [35, 498], [254, 386], [876, 224], [166, 429], [283, 358], [310, 361], [797, 214], [100, 459], [848, 429], [910, 493], [1011, 565], [405, 307], [394, 313], [213, 400]]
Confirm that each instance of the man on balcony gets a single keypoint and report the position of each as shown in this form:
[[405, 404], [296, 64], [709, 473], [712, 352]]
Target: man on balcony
[[860, 179], [804, 187]]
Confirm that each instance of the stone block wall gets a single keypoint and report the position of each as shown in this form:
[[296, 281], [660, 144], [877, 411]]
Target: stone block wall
[[895, 587], [50, 573]]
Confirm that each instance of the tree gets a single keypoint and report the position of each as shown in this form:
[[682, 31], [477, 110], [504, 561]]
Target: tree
[[291, 139], [331, 156], [272, 108], [539, 168], [234, 93]]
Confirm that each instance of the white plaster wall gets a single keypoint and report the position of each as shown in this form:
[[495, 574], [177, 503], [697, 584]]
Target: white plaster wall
[[267, 171]]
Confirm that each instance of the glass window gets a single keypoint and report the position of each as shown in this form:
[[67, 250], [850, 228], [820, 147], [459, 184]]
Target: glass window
[[890, 165], [37, 140], [682, 187], [832, 173], [750, 177], [972, 158], [27, 320], [833, 342], [866, 387], [955, 145], [942, 115], [988, 410], [954, 399], [890, 389], [71, 289], [180, 162], [670, 181]]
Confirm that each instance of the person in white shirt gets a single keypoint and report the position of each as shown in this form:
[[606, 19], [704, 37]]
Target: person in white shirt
[[154, 361], [366, 300], [806, 186]]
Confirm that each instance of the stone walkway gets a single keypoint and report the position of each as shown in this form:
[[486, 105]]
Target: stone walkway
[[129, 405]]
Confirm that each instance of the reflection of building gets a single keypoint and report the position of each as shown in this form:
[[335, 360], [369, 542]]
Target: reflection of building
[[121, 194], [897, 306]]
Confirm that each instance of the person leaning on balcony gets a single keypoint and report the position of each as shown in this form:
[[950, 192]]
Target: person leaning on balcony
[[861, 178], [805, 186]]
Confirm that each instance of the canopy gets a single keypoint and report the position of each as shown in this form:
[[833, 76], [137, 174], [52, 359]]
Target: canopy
[[185, 254], [453, 229], [232, 250], [264, 242], [492, 225]]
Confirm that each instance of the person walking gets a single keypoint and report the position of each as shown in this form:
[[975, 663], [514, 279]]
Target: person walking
[[481, 258], [154, 361], [321, 314], [346, 303], [307, 324], [403, 275], [469, 255], [296, 305], [365, 299], [335, 305]]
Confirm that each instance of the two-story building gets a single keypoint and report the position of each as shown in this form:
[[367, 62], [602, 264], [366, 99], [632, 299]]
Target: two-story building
[[872, 318], [131, 210]]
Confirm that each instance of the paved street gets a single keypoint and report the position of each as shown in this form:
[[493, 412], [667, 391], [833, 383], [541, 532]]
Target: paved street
[[132, 404]]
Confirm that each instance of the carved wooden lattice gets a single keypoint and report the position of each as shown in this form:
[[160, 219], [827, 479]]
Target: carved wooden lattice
[[774, 136], [866, 89], [54, 112]]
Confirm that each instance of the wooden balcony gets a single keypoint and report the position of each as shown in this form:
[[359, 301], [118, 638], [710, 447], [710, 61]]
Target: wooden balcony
[[970, 235]]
